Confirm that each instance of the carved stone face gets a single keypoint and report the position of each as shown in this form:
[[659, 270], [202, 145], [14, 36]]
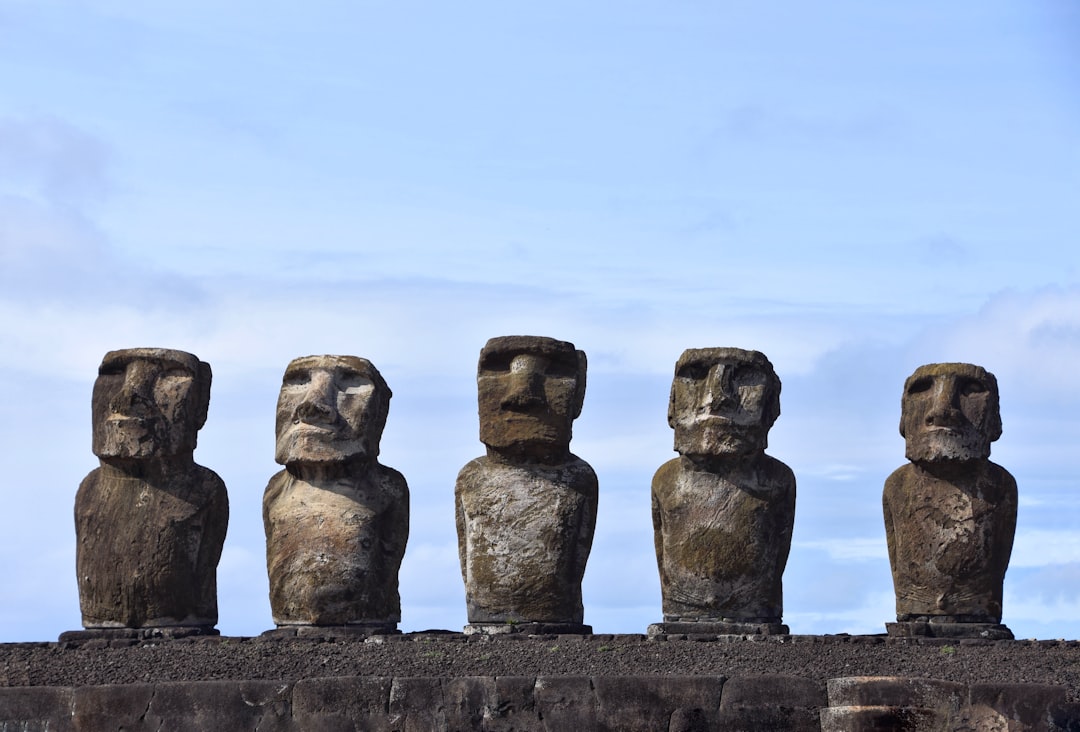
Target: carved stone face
[[330, 409], [149, 402], [530, 390], [950, 412], [723, 402]]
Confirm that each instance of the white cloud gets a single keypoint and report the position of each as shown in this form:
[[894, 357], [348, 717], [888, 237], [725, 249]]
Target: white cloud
[[847, 550]]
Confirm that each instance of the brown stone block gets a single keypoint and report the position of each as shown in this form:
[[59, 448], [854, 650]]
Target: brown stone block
[[647, 703], [772, 702], [895, 691], [33, 708], [1020, 706], [343, 703], [566, 702], [417, 704]]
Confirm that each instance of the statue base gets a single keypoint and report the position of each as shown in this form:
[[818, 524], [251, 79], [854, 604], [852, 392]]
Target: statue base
[[352, 630], [528, 628], [938, 629], [716, 627], [127, 636]]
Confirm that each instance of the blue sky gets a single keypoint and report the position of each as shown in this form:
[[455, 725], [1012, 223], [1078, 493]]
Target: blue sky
[[852, 188]]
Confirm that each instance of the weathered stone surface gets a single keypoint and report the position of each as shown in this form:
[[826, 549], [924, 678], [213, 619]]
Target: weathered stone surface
[[526, 511], [114, 707], [36, 709], [149, 522], [652, 703], [417, 704], [950, 514], [336, 520], [566, 702], [343, 704], [774, 702], [1012, 706], [893, 703], [647, 703], [185, 706], [723, 511]]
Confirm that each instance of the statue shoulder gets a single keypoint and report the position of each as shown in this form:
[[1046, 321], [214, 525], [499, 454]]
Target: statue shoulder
[[666, 475], [777, 473], [581, 476], [278, 483], [393, 480]]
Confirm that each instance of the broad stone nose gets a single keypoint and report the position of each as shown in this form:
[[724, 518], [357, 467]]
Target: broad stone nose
[[526, 388], [319, 403], [944, 404], [718, 393], [136, 393]]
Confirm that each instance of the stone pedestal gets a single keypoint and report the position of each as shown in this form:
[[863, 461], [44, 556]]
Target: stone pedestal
[[936, 629], [528, 628], [136, 635], [717, 627], [352, 630]]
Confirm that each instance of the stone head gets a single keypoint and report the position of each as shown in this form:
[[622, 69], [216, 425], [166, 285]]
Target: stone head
[[149, 403], [531, 390], [950, 411], [723, 402], [331, 409]]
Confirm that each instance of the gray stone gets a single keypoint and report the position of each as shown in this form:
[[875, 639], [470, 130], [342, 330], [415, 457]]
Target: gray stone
[[36, 709], [149, 522], [648, 703], [723, 511], [336, 520], [894, 703], [950, 514], [1013, 706], [772, 702], [343, 703], [526, 511]]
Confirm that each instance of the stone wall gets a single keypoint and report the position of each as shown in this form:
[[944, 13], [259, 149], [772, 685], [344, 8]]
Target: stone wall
[[543, 704]]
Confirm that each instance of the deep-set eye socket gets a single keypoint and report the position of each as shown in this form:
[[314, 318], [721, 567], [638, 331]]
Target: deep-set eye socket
[[749, 376], [694, 371], [561, 368], [351, 381], [496, 362], [296, 377], [920, 385], [113, 368], [971, 387]]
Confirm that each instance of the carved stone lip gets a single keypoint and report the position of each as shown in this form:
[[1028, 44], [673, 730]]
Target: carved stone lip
[[313, 428], [716, 417], [124, 421]]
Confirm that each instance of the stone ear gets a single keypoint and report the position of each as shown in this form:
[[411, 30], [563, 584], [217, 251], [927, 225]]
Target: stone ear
[[201, 397], [671, 406], [579, 392]]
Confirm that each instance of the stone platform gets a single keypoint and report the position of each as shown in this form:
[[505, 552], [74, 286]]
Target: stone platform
[[450, 681]]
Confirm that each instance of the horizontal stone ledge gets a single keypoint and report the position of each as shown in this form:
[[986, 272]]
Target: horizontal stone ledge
[[73, 639], [525, 703]]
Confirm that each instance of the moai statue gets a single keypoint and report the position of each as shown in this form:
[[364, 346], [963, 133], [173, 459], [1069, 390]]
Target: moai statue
[[336, 520], [950, 514], [149, 522], [527, 510], [723, 510]]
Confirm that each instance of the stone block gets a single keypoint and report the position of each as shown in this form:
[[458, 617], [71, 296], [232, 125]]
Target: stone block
[[35, 709], [566, 702], [1013, 706], [343, 704], [647, 703], [417, 705], [898, 691], [773, 702]]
